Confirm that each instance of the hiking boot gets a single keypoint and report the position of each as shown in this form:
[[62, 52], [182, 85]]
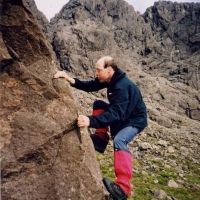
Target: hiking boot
[[115, 191]]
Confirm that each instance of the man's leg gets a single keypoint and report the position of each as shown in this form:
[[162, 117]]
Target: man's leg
[[100, 138], [121, 189]]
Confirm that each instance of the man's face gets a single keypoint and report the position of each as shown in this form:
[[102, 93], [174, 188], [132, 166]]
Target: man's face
[[103, 74]]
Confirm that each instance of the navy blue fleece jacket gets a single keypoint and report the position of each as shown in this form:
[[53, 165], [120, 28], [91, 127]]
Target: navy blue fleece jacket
[[126, 107]]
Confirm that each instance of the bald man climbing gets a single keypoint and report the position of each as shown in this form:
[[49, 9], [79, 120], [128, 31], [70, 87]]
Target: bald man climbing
[[125, 114]]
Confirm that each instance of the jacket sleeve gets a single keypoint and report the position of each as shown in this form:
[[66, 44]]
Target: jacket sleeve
[[116, 111], [89, 86]]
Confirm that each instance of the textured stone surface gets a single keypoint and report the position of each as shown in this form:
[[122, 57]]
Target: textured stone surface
[[89, 29], [40, 17], [36, 164], [84, 31], [81, 34], [176, 27], [165, 67]]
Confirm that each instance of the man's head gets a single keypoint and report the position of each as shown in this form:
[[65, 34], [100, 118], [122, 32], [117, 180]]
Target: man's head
[[105, 68]]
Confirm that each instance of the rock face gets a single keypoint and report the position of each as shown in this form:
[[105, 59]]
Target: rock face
[[176, 27], [38, 164], [176, 22], [83, 31], [146, 48], [91, 28], [41, 156], [40, 17]]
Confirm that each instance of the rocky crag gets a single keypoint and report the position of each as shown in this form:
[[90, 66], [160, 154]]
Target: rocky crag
[[42, 155], [176, 27], [85, 30], [160, 52], [39, 16]]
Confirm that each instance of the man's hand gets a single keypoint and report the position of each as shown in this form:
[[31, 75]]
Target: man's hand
[[62, 74], [83, 121]]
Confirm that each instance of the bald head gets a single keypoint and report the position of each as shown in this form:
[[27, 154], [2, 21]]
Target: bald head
[[105, 68], [106, 61]]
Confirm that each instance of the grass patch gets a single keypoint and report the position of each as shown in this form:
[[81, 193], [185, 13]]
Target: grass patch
[[144, 185], [106, 165]]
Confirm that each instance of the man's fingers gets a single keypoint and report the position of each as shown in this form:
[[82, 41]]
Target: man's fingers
[[55, 75], [83, 121], [59, 74], [80, 124]]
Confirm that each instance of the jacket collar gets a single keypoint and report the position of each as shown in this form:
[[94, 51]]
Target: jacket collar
[[119, 74]]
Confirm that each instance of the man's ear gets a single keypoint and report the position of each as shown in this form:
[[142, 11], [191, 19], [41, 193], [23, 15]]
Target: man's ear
[[110, 69]]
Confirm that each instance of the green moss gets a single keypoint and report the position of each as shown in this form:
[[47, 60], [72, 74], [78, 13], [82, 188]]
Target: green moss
[[142, 187], [193, 178], [165, 175], [183, 193], [145, 185], [106, 165]]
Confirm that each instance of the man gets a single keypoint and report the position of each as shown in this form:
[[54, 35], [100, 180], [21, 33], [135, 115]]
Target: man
[[125, 114]]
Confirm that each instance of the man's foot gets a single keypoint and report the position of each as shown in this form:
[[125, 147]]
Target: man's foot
[[116, 192]]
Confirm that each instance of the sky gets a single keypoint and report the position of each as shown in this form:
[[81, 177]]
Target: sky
[[51, 7]]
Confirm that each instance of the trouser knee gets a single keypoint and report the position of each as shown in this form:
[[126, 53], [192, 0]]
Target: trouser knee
[[120, 144], [124, 137]]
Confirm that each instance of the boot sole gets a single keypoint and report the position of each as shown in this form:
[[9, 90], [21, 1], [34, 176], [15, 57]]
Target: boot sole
[[109, 189]]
